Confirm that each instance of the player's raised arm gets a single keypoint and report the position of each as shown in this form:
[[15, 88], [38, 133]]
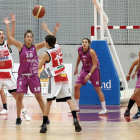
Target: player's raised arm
[[57, 26], [13, 19], [13, 41], [44, 27]]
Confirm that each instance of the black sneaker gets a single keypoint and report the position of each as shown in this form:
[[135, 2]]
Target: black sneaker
[[48, 122], [43, 128], [18, 121], [127, 112], [77, 126]]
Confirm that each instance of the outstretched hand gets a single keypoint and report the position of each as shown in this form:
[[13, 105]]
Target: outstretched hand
[[6, 20], [44, 25], [13, 18], [57, 26]]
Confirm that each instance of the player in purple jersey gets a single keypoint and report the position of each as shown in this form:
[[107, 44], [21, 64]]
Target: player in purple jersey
[[9, 83], [28, 70], [89, 71], [133, 96]]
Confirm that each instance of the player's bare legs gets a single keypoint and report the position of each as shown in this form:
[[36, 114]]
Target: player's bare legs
[[46, 113], [102, 100], [23, 110], [3, 98], [45, 117], [77, 95], [40, 100], [47, 108], [19, 98], [137, 99], [73, 111], [100, 94], [14, 95], [134, 98]]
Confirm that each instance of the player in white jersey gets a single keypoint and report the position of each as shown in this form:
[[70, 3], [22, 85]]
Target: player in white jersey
[[58, 87], [6, 64]]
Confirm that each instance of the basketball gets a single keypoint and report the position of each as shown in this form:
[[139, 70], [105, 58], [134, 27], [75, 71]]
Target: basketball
[[38, 11]]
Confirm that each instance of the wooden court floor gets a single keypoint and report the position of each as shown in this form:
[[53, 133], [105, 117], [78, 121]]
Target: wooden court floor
[[112, 127]]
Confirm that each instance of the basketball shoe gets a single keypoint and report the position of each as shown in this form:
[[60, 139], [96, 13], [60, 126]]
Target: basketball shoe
[[43, 128], [127, 112], [103, 112], [25, 115], [18, 121], [137, 115], [4, 111], [77, 126]]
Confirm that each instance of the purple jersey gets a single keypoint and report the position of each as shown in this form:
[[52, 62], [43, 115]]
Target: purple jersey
[[28, 61], [86, 59], [138, 73]]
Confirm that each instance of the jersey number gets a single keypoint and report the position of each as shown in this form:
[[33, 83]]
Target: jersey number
[[57, 59], [29, 55]]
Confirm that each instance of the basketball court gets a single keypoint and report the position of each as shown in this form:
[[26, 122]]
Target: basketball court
[[114, 126]]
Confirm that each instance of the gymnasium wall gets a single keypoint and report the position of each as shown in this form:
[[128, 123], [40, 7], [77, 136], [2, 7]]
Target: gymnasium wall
[[76, 18], [126, 53]]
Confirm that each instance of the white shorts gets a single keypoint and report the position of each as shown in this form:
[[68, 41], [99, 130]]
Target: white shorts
[[8, 80], [60, 92]]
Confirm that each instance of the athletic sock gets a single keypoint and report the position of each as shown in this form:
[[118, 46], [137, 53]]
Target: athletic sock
[[103, 105], [5, 106], [45, 118], [130, 104], [74, 114], [77, 103]]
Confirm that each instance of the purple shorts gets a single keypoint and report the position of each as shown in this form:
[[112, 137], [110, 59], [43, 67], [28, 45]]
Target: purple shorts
[[94, 78], [138, 83], [32, 81]]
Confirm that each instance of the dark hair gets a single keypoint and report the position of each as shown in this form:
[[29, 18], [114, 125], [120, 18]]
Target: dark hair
[[28, 31], [1, 30], [89, 42], [51, 40]]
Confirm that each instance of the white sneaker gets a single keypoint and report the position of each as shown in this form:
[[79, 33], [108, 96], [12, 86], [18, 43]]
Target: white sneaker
[[26, 117], [4, 111], [103, 112]]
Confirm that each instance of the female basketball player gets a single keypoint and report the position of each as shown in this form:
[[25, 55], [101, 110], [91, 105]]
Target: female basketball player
[[134, 97], [90, 70], [28, 69], [58, 87], [6, 64]]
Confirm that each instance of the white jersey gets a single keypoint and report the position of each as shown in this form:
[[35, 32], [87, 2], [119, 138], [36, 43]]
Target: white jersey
[[55, 65], [6, 61]]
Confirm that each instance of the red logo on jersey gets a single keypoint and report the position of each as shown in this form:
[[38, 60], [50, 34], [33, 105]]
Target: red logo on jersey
[[2, 64], [56, 57], [1, 53]]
